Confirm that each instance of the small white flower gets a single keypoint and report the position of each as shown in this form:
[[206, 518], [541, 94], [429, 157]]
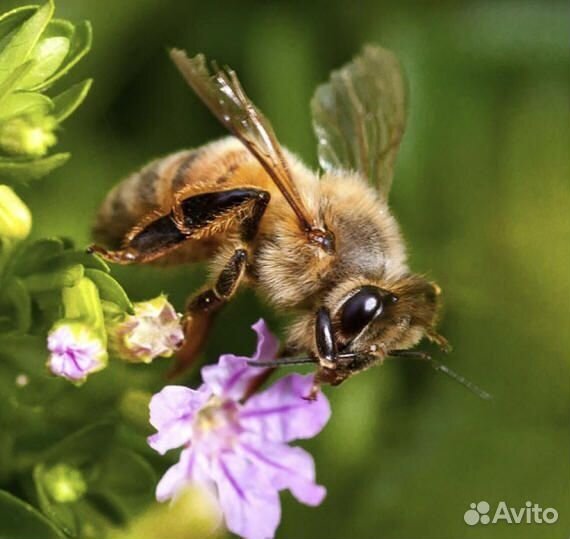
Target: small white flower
[[154, 330]]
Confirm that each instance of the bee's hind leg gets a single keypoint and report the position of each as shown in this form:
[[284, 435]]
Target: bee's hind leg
[[119, 256]]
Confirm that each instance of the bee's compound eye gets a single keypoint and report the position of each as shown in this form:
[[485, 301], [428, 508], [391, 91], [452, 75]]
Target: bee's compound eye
[[360, 309]]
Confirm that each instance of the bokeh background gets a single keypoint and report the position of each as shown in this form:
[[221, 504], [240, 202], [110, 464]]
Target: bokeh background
[[482, 193]]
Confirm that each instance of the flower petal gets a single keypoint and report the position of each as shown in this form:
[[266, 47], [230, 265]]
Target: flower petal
[[232, 375], [267, 343], [287, 468], [282, 413], [75, 351], [250, 505], [171, 413], [176, 477]]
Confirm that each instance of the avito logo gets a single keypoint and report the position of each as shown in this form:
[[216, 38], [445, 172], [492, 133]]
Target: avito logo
[[531, 513]]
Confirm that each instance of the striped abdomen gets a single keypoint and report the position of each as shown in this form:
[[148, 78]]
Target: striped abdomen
[[155, 188]]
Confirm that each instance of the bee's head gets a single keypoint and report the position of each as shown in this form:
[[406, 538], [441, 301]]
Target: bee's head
[[387, 315]]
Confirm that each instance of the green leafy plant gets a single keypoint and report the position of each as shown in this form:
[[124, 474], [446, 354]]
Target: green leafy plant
[[36, 50], [67, 464]]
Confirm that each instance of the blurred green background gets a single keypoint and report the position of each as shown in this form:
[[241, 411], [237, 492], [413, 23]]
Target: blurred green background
[[482, 193]]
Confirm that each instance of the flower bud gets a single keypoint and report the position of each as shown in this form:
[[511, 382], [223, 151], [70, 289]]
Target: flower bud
[[29, 136], [75, 351], [15, 217], [64, 483], [154, 330]]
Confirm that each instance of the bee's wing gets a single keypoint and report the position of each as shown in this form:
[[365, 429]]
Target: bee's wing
[[359, 116], [221, 91]]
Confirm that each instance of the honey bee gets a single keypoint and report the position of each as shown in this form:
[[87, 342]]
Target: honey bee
[[324, 247]]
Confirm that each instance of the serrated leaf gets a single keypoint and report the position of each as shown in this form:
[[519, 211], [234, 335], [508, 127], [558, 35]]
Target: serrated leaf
[[20, 171], [54, 280], [110, 289], [35, 255], [67, 102], [49, 55], [18, 48], [18, 520], [21, 103], [79, 47]]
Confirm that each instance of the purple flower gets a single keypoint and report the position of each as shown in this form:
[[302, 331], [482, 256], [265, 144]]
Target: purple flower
[[239, 450], [76, 351]]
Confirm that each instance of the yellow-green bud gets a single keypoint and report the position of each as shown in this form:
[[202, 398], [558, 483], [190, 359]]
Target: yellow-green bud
[[64, 483], [29, 136], [15, 217]]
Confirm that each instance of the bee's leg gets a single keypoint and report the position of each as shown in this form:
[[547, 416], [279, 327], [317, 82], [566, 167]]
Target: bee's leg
[[204, 215], [153, 237], [177, 213], [202, 307]]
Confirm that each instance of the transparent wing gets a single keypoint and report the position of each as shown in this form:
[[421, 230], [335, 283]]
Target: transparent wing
[[359, 116], [221, 91]]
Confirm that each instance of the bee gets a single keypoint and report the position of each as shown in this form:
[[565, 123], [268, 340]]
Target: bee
[[324, 247]]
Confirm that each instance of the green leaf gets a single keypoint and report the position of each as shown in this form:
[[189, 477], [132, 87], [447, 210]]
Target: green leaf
[[22, 103], [59, 28], [85, 452], [119, 484], [62, 514], [69, 257], [82, 302], [18, 295], [10, 20], [63, 278], [127, 481], [18, 48], [110, 289], [35, 255], [49, 55], [20, 171], [11, 82], [22, 350], [18, 520], [66, 102], [83, 447], [80, 44]]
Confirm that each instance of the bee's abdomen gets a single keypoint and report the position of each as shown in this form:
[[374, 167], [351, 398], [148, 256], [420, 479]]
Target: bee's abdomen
[[136, 196], [217, 166]]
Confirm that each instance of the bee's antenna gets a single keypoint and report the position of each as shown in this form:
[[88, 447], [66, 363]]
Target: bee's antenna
[[438, 366], [282, 362]]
